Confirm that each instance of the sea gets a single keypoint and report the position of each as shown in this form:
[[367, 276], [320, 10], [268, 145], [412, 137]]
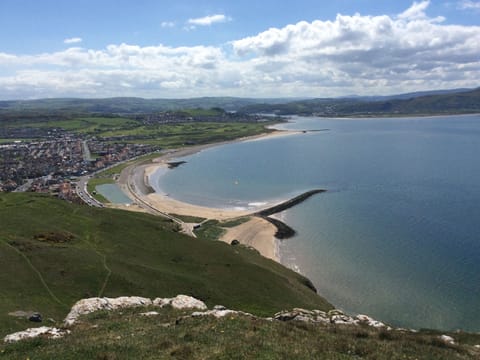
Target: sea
[[397, 234]]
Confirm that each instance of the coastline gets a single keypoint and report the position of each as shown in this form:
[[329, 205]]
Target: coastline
[[257, 232]]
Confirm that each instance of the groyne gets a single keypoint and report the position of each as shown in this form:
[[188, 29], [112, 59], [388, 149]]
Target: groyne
[[283, 230]]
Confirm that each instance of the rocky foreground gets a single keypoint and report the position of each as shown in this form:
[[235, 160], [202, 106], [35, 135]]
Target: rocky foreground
[[181, 302]]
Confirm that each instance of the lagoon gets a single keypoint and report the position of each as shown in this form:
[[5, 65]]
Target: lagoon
[[113, 194], [397, 234]]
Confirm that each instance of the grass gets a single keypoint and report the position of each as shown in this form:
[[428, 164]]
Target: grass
[[235, 222], [117, 169], [113, 253], [174, 335], [177, 135], [11, 141], [210, 230], [213, 229], [188, 219], [87, 125]]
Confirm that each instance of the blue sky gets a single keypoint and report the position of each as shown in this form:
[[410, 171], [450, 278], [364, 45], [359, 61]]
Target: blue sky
[[154, 48]]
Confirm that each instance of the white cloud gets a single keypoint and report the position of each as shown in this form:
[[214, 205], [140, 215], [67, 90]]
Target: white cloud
[[469, 5], [416, 11], [209, 20], [349, 54], [73, 40], [167, 24]]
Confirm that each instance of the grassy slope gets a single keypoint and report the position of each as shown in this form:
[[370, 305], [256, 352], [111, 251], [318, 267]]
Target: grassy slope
[[113, 253], [127, 335]]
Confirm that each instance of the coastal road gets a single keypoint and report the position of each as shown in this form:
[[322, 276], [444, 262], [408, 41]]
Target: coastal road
[[83, 193], [134, 180]]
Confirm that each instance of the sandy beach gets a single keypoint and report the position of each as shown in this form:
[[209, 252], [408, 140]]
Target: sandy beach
[[257, 232]]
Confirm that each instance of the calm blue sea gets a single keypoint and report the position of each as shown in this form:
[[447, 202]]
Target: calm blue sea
[[397, 235]]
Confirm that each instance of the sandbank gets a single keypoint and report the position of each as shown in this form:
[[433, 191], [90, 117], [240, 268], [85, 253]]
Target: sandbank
[[257, 233]]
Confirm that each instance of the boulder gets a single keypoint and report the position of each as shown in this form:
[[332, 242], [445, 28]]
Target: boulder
[[447, 339], [35, 317], [181, 302], [187, 302]]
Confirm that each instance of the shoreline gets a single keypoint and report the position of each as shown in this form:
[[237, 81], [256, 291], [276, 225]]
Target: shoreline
[[258, 232]]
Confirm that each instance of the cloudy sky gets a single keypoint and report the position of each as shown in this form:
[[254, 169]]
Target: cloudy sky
[[260, 48]]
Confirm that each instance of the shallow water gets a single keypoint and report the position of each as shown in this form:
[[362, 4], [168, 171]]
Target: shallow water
[[397, 234], [113, 193]]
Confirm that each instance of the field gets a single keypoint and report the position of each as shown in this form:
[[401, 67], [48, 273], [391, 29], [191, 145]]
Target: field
[[68, 252], [125, 130]]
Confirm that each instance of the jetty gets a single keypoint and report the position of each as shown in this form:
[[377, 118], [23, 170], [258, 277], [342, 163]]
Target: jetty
[[283, 230]]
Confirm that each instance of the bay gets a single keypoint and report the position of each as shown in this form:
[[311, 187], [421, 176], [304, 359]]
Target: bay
[[397, 234]]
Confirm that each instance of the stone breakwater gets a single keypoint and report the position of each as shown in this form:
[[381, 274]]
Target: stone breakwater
[[283, 230], [182, 302]]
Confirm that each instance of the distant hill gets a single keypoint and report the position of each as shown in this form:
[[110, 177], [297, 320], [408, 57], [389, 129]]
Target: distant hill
[[424, 103], [460, 102], [130, 105], [409, 95]]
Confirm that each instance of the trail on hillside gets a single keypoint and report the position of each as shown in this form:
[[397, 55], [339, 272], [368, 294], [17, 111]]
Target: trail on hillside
[[39, 274]]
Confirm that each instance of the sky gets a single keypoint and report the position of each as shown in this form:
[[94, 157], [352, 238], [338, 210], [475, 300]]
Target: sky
[[248, 48]]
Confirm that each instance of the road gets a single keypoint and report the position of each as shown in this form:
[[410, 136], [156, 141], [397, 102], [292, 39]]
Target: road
[[83, 193], [87, 156], [134, 178]]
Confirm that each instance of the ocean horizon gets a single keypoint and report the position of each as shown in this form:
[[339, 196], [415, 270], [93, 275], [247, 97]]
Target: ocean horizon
[[396, 235]]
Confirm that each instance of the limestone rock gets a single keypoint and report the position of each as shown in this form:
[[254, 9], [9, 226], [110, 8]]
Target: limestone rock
[[216, 313], [298, 314], [149, 313], [367, 320], [50, 332], [87, 306], [447, 339], [187, 302], [128, 302], [181, 302]]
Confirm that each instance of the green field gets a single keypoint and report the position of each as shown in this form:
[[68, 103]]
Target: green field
[[68, 252], [163, 135], [175, 135], [89, 125]]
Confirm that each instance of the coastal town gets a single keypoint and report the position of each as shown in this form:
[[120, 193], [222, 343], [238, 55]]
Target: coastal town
[[54, 159]]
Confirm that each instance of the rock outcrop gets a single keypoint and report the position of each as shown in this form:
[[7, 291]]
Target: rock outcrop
[[181, 302], [46, 331], [87, 306], [332, 317]]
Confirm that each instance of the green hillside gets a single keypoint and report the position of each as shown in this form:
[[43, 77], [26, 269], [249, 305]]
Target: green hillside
[[54, 253], [462, 102]]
